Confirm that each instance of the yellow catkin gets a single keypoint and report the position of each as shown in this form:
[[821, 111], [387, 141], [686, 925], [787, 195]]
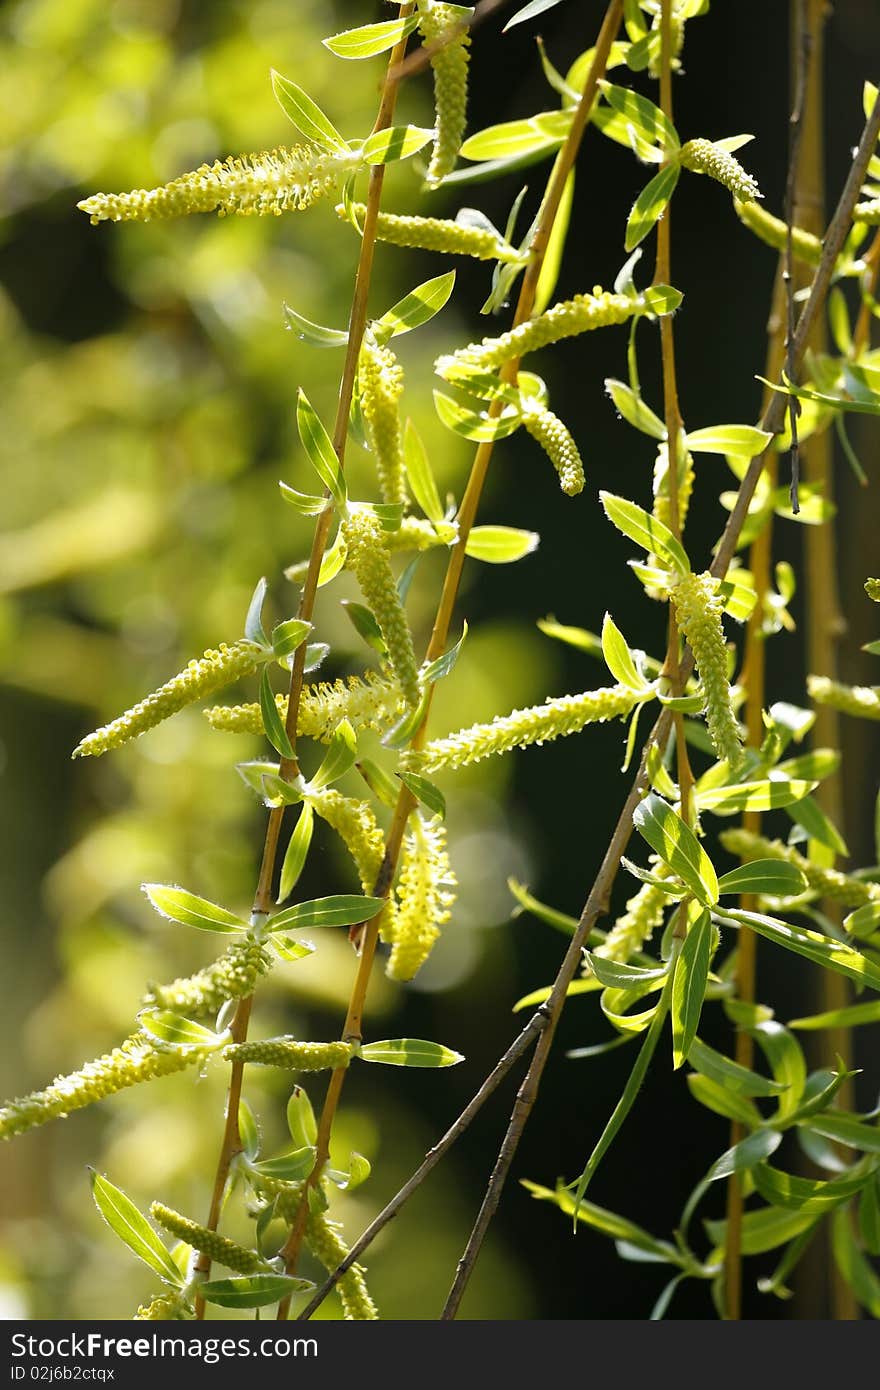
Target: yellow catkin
[[676, 36], [418, 533], [860, 700], [356, 825], [703, 157], [872, 589], [290, 1053], [381, 386], [371, 701], [661, 485], [564, 320], [232, 976], [450, 67], [557, 443], [367, 557], [326, 1244], [567, 714], [828, 883], [276, 181], [774, 232], [165, 1308], [136, 1060], [219, 1248], [643, 916], [436, 234], [868, 212], [424, 897], [202, 677], [698, 608]]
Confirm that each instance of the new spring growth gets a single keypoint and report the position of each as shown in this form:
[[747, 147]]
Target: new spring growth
[[868, 212], [872, 589], [424, 897], [371, 701], [557, 443], [661, 484], [204, 676], [827, 883], [381, 385], [436, 234], [698, 608], [774, 232], [232, 976], [356, 826], [282, 180], [291, 1054], [136, 1060], [860, 700], [164, 1308], [643, 916], [703, 157], [567, 714], [328, 1247], [418, 533], [676, 43], [223, 1251], [367, 557], [450, 67]]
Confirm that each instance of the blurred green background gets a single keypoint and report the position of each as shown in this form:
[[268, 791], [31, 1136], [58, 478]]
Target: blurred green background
[[148, 385]]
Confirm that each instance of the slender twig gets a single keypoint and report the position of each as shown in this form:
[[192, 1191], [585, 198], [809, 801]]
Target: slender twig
[[599, 895], [803, 46], [420, 57]]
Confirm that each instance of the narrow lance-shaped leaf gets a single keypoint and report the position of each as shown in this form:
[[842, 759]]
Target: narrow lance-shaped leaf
[[678, 846], [339, 758], [305, 114], [297, 852], [420, 475], [275, 730], [645, 530], [395, 142], [370, 39], [133, 1229], [409, 1052], [252, 1290], [319, 447], [180, 906], [341, 910], [171, 1029], [650, 205], [689, 986], [618, 657]]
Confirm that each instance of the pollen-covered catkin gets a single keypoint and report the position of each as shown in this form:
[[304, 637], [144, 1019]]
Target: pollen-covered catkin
[[357, 827], [289, 1053], [276, 181], [868, 212], [424, 897], [644, 914], [567, 714], [327, 1246], [202, 677], [557, 443], [136, 1060], [860, 700], [219, 1248], [232, 976], [698, 608], [381, 386], [662, 510], [828, 883], [564, 320], [164, 1308], [774, 232], [450, 67], [371, 701], [872, 589], [704, 157], [367, 556], [437, 234], [418, 533]]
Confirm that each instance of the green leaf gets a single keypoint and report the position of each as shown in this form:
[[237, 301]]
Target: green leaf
[[772, 877], [689, 987], [618, 657], [645, 530], [365, 625], [607, 1222], [647, 120], [852, 1264], [740, 441], [818, 763], [618, 975], [301, 1122], [395, 142], [809, 815], [275, 730], [716, 1096], [529, 11], [409, 1052], [443, 665], [420, 474], [500, 545], [418, 307], [650, 204], [560, 921], [477, 425], [341, 910], [380, 782], [425, 792], [786, 1059], [297, 852], [252, 1290], [286, 637], [289, 1167], [339, 758], [290, 950], [742, 1080], [661, 299], [847, 1129], [633, 409], [850, 1017], [248, 1130], [133, 1229], [306, 503], [549, 273], [253, 623], [864, 921], [741, 1157], [319, 447], [763, 1229], [869, 1215], [822, 950], [677, 846], [179, 906], [370, 39], [313, 333], [305, 114], [806, 1195], [753, 796], [512, 139], [173, 1030]]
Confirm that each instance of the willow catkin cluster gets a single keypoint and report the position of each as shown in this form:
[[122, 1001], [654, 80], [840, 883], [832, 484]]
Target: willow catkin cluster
[[436, 234], [418, 533], [164, 1308], [291, 1054], [662, 507], [424, 897], [872, 589], [381, 385], [276, 181], [774, 232], [367, 557], [861, 700], [557, 443], [868, 212], [703, 157], [698, 608], [136, 1060], [219, 1248], [233, 975], [828, 883], [450, 67], [357, 827], [643, 916], [567, 714], [328, 1247], [371, 701], [676, 43], [566, 319], [202, 677]]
